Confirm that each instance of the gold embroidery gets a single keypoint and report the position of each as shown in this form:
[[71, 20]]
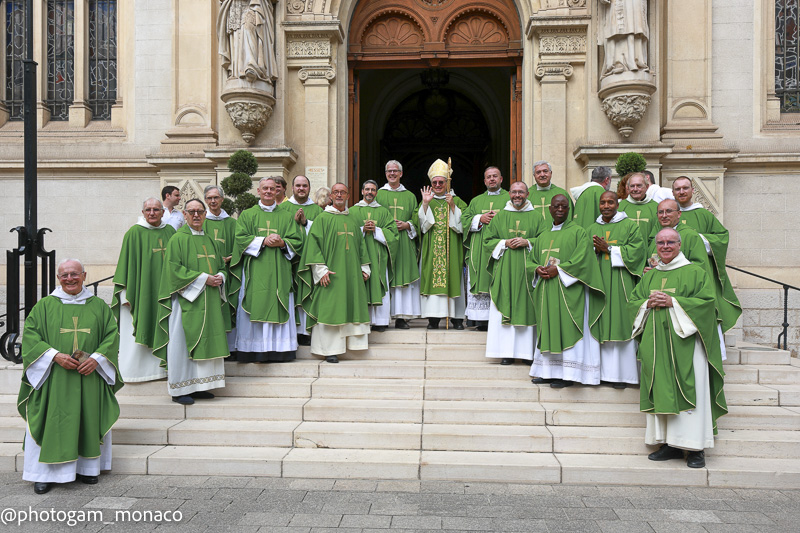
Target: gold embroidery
[[440, 245], [75, 330], [207, 257], [162, 249]]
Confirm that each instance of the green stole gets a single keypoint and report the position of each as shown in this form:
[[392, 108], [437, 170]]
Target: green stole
[[667, 375], [476, 259], [540, 200], [335, 241], [139, 269], [267, 277], [644, 215], [70, 413], [438, 276], [615, 323], [508, 274], [189, 256], [587, 206], [381, 257], [706, 224], [403, 207], [223, 233], [559, 310]]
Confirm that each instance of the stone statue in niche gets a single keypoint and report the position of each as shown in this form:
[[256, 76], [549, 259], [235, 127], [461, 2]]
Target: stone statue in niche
[[246, 33], [624, 35]]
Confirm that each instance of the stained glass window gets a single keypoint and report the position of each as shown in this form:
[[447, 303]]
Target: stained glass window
[[102, 57], [15, 53], [787, 55], [60, 57]]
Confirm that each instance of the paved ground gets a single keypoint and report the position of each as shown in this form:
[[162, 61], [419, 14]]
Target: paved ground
[[253, 504]]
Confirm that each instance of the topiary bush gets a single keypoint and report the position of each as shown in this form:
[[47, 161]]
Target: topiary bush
[[630, 162], [237, 186]]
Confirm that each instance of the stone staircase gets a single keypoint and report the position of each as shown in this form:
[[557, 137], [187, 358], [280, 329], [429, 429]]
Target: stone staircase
[[428, 405]]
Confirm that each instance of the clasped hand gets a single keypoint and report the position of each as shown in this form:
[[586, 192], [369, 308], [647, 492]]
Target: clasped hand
[[517, 242], [68, 363], [273, 241], [547, 272], [215, 280], [600, 245], [659, 299]]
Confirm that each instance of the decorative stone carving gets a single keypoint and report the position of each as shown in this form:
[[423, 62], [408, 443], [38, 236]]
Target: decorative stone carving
[[314, 73], [308, 49], [700, 197], [576, 3], [394, 32], [625, 111], [434, 3], [563, 70], [623, 33], [478, 30], [295, 7], [562, 44], [249, 112], [555, 4]]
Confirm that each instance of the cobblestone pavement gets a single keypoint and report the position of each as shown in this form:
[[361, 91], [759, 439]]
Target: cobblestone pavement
[[254, 504]]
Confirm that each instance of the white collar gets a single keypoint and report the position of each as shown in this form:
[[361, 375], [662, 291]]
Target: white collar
[[631, 200], [444, 196], [77, 299], [692, 207], [388, 187], [196, 232], [495, 193], [332, 210], [267, 208], [539, 188], [146, 225], [621, 215], [525, 207], [295, 202], [362, 203], [679, 261], [558, 228], [577, 191], [222, 215]]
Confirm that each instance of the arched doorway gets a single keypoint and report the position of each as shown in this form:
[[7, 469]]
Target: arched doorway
[[434, 78]]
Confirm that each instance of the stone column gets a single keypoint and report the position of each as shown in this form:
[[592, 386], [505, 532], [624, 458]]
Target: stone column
[[553, 77], [316, 84]]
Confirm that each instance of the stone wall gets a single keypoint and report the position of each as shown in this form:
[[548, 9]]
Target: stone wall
[[762, 318]]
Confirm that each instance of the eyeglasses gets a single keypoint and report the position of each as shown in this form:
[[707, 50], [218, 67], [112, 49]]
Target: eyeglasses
[[195, 212], [667, 243], [153, 210], [339, 193], [393, 171], [70, 275], [665, 211]]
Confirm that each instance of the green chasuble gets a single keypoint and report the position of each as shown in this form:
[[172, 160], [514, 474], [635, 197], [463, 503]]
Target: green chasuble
[[335, 241], [540, 200], [587, 204], [223, 233], [139, 268], [70, 413], [559, 309], [476, 259], [381, 256], [267, 277], [311, 211], [511, 289], [438, 276], [189, 256], [707, 225], [667, 375], [615, 323], [402, 204], [643, 214]]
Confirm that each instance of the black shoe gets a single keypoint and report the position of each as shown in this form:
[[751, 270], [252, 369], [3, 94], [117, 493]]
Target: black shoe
[[560, 384], [331, 359], [202, 395], [458, 323], [401, 323], [507, 361], [619, 385], [304, 340], [483, 325], [541, 381], [665, 453], [183, 400], [433, 323], [88, 480], [379, 329], [696, 459], [42, 488]]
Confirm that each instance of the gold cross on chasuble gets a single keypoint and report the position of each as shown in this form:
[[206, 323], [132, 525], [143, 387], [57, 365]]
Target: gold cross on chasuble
[[346, 240], [206, 257], [75, 331], [606, 256], [663, 284], [268, 229], [395, 207], [519, 231], [216, 236], [162, 249], [551, 249], [491, 208], [639, 218], [542, 207]]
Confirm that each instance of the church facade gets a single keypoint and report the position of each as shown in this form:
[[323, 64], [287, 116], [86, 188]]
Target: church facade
[[136, 95]]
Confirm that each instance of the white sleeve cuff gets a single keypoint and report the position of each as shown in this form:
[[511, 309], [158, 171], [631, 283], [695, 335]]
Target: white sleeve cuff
[[366, 270], [705, 241], [681, 322], [105, 368], [254, 248], [616, 256], [476, 223], [195, 288], [412, 231], [379, 236], [640, 320], [566, 279], [39, 371], [318, 271], [455, 221], [123, 297], [498, 251], [426, 218]]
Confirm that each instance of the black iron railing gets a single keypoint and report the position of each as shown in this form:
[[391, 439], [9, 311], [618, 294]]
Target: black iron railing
[[785, 333]]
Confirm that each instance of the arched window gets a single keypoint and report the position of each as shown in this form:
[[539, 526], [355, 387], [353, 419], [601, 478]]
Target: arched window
[[14, 52], [787, 55], [102, 57], [60, 65]]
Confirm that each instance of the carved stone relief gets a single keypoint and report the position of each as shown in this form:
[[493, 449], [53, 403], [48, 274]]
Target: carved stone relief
[[308, 49], [562, 44], [477, 29], [626, 110], [393, 31], [563, 70], [313, 73]]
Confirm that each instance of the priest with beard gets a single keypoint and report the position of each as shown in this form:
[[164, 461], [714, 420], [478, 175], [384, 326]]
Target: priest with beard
[[404, 282], [568, 299], [268, 242], [508, 243], [442, 264], [135, 299], [69, 381], [640, 208], [620, 251], [333, 270], [380, 240], [541, 195], [681, 365], [477, 216], [191, 339]]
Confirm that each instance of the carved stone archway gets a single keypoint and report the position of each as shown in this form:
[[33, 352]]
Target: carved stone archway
[[436, 34]]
